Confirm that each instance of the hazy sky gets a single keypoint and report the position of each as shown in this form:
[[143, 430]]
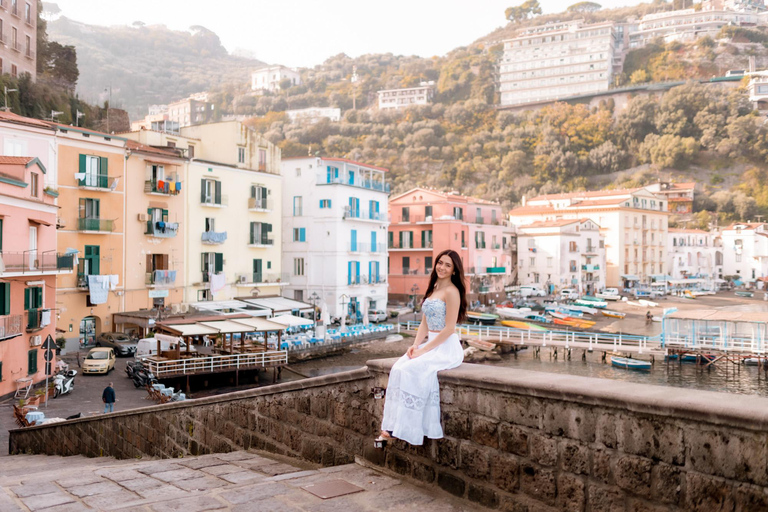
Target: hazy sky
[[306, 32]]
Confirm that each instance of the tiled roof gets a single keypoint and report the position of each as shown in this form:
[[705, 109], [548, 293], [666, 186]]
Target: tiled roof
[[447, 195], [697, 231], [550, 223], [748, 225], [15, 160], [136, 146], [334, 159], [15, 118], [688, 185]]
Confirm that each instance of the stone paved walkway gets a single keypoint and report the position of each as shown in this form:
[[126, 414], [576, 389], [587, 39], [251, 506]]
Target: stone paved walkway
[[237, 481]]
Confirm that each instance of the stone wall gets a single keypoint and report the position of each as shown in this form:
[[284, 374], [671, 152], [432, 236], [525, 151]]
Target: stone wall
[[514, 440]]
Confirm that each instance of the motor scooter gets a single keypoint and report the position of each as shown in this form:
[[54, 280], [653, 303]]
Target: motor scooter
[[63, 383], [142, 377]]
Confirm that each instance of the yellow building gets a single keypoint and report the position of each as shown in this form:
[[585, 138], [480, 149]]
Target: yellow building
[[92, 171], [232, 213], [155, 188]]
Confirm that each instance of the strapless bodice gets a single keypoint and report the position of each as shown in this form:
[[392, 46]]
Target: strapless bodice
[[434, 313]]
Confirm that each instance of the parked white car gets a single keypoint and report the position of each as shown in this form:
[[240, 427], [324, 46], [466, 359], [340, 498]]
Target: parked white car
[[569, 294], [377, 315], [528, 290]]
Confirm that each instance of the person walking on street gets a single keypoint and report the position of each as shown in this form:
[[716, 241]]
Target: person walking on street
[[648, 318], [108, 397]]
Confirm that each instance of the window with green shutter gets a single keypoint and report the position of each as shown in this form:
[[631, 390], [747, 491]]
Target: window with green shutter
[[1, 371], [5, 298], [32, 362], [218, 262], [92, 259], [33, 298]]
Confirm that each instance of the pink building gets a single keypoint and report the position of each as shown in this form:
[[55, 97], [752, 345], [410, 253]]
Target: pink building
[[29, 265], [425, 222]]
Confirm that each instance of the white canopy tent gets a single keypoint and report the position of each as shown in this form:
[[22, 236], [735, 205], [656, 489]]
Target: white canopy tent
[[291, 320]]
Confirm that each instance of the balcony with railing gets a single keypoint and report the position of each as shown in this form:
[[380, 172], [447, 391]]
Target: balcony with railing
[[38, 319], [260, 242], [162, 187], [211, 202], [29, 54], [364, 279], [590, 249], [496, 270], [162, 229], [93, 225], [98, 182], [260, 278], [160, 278], [257, 204], [410, 245], [213, 237], [11, 326], [367, 248], [15, 10], [480, 245], [378, 185], [590, 268], [35, 262], [364, 215]]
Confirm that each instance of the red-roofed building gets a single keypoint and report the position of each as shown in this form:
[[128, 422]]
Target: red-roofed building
[[425, 222], [679, 195], [633, 221], [563, 253]]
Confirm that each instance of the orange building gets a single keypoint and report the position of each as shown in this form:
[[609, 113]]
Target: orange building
[[92, 172], [425, 222]]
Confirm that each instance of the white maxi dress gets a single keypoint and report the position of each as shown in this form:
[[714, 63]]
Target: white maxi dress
[[412, 405]]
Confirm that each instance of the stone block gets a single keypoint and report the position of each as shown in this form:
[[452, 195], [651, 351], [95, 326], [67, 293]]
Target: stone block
[[538, 483], [423, 472], [475, 462], [633, 474], [653, 438], [605, 499], [451, 483], [483, 495], [319, 408], [456, 424], [571, 494], [750, 497], [513, 439], [666, 483], [608, 429], [542, 449], [505, 472], [485, 431], [707, 494], [520, 410], [729, 454], [638, 505], [398, 463], [574, 457], [448, 452]]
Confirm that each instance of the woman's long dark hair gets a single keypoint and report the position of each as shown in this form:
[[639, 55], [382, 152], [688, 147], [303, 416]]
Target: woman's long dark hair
[[457, 278]]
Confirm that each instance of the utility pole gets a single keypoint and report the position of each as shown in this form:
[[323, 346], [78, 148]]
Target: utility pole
[[354, 87], [109, 105], [6, 90]]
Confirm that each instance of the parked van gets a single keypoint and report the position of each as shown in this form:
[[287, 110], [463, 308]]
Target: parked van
[[531, 290], [569, 294], [148, 347]]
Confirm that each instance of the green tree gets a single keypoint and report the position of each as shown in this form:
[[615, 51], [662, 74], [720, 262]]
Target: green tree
[[524, 11], [584, 7]]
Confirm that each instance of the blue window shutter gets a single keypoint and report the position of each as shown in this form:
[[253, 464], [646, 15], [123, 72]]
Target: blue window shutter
[[349, 272], [373, 241], [303, 234], [321, 203], [353, 239], [357, 271]]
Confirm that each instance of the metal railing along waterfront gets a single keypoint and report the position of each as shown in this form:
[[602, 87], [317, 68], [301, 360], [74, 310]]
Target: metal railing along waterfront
[[556, 338], [214, 364], [740, 343]]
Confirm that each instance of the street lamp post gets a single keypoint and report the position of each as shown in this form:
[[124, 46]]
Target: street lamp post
[[314, 298], [6, 90], [344, 301]]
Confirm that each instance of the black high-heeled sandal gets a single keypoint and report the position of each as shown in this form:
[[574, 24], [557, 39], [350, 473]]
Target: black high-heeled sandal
[[381, 442]]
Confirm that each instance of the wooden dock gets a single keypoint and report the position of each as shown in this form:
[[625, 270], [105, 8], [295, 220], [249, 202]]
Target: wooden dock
[[166, 368]]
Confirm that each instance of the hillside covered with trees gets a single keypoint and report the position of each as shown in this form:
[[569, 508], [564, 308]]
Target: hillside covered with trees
[[463, 141]]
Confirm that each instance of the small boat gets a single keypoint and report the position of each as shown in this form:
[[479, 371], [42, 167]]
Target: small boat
[[574, 322], [582, 309], [565, 310], [751, 361], [648, 303], [613, 314], [633, 303], [538, 318], [523, 325], [513, 312], [483, 318], [486, 346], [630, 364], [591, 303], [656, 319], [393, 338], [692, 358], [607, 296], [744, 294], [590, 298], [688, 294]]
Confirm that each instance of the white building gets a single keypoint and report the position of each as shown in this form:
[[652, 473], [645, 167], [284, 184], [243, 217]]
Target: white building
[[687, 25], [407, 97], [745, 251], [559, 60], [312, 115], [695, 253], [559, 254], [633, 221], [335, 234], [269, 78]]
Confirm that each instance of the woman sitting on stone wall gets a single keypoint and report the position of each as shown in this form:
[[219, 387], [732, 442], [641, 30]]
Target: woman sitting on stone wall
[[412, 406]]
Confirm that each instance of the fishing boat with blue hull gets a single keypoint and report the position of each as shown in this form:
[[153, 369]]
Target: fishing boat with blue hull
[[591, 302], [482, 318], [564, 310], [744, 294], [582, 309], [538, 318], [630, 364]]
